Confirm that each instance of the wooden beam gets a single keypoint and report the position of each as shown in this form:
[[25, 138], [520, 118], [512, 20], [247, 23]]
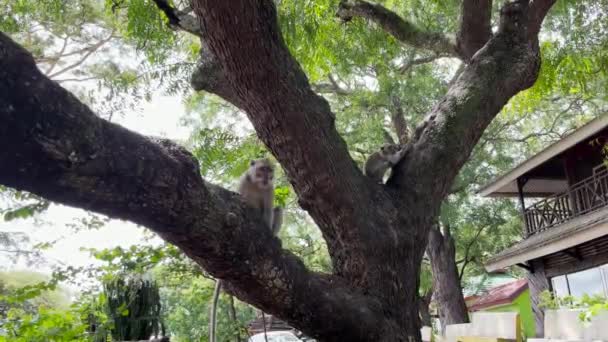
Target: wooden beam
[[574, 253], [527, 267]]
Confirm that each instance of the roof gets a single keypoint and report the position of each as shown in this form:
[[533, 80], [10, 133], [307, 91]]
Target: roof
[[479, 285], [503, 294], [569, 234], [506, 185]]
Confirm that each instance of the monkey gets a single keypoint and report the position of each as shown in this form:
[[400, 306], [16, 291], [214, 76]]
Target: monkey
[[257, 189], [379, 162]]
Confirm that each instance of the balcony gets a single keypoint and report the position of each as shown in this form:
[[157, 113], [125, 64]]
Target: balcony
[[581, 198]]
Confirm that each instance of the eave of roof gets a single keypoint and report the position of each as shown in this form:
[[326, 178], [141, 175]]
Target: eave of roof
[[574, 232], [584, 132]]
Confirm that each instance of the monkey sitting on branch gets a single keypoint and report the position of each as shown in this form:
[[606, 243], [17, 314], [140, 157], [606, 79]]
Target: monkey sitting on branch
[[257, 189], [380, 161]]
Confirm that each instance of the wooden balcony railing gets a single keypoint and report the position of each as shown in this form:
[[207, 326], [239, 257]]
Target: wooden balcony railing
[[582, 198]]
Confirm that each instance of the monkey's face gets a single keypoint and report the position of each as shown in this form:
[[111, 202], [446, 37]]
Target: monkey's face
[[389, 149], [261, 173]]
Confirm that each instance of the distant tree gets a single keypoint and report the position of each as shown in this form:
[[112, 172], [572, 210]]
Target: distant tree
[[134, 307]]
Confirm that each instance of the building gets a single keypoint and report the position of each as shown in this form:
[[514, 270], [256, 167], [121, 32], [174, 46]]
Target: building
[[511, 297], [563, 194]]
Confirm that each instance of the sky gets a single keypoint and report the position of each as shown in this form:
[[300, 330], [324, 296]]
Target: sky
[[159, 117]]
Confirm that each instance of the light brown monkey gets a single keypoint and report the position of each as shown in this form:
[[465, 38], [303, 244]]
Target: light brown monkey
[[379, 162], [257, 189]]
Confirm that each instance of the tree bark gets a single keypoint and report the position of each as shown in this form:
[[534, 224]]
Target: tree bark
[[54, 146], [446, 281], [424, 303], [475, 27], [401, 29]]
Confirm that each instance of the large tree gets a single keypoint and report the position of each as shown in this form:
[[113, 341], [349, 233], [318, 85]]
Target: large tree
[[56, 147]]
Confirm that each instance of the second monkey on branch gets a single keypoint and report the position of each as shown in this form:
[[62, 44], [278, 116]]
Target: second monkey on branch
[[380, 161]]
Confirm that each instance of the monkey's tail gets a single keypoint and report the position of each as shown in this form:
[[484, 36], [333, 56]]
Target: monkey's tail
[[213, 318], [277, 220]]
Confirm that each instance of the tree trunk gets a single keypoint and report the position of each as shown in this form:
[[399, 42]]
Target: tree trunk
[[424, 310], [446, 281]]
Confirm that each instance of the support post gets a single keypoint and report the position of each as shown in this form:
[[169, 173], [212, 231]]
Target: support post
[[537, 283], [574, 253], [521, 182]]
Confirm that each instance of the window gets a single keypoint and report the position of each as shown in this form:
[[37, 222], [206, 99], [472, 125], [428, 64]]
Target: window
[[586, 282], [560, 286], [593, 281], [605, 276]]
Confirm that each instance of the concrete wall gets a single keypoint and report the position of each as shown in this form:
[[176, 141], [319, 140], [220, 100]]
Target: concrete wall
[[565, 324], [487, 325], [523, 306]]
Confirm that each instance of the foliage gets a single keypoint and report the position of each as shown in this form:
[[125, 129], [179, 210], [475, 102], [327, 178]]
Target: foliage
[[31, 289], [186, 305], [34, 309], [46, 324], [591, 305], [139, 259]]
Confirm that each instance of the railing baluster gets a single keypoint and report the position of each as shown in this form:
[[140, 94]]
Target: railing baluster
[[581, 198]]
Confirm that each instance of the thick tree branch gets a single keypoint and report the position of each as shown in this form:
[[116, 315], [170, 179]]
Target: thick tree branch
[[507, 64], [538, 12], [401, 29], [208, 75], [55, 147], [447, 288], [296, 124], [399, 121], [475, 27]]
